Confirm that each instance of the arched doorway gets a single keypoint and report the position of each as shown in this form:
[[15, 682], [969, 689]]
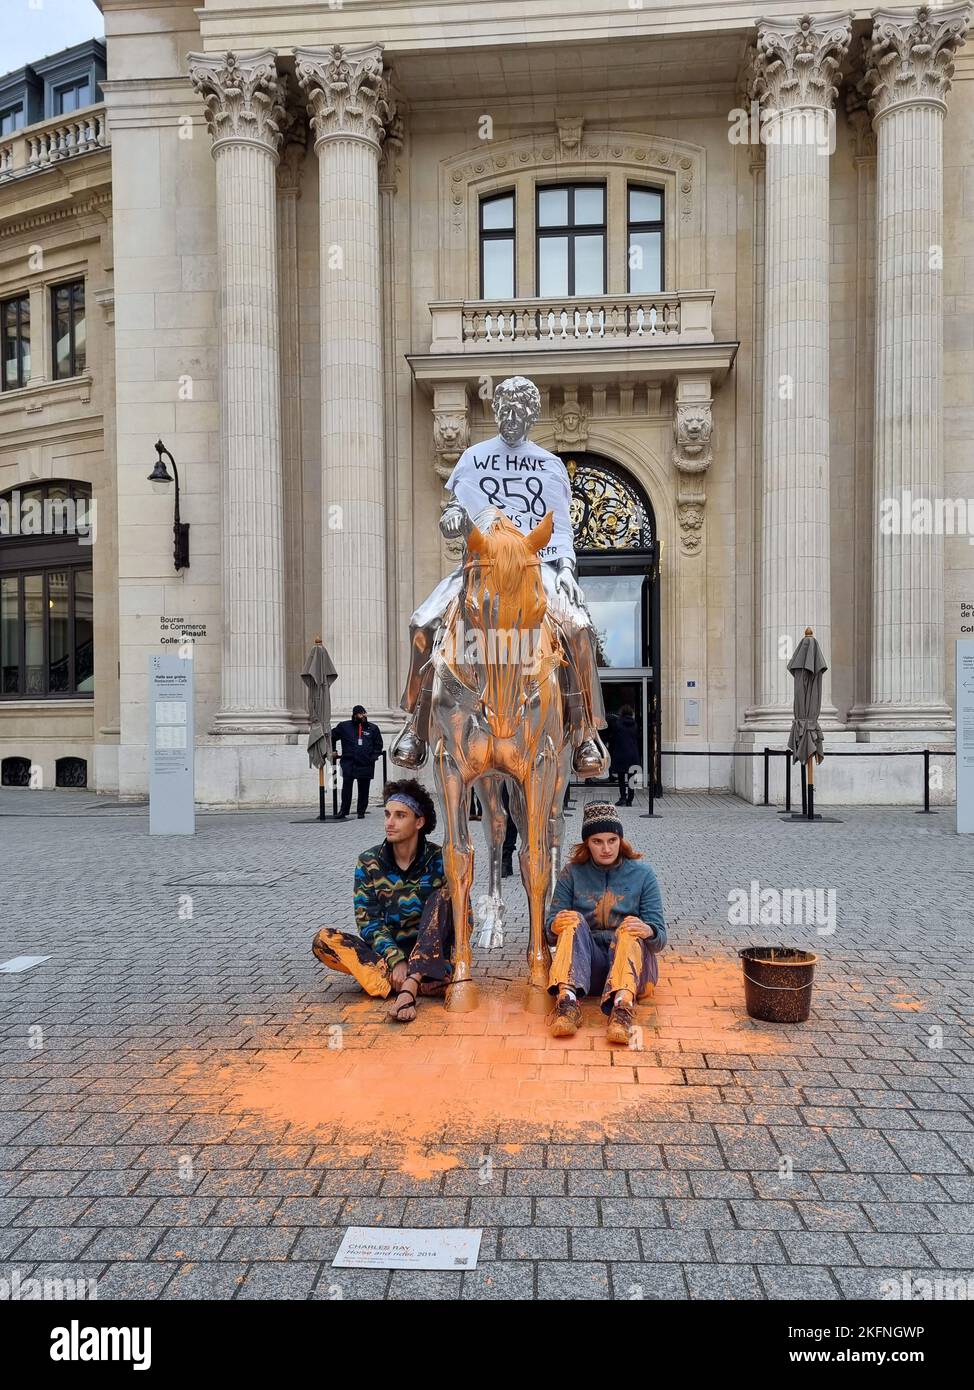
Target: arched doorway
[[618, 566]]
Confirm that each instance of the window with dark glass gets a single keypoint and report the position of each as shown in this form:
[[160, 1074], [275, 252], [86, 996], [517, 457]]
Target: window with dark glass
[[46, 592], [497, 247], [11, 120], [571, 240], [15, 342], [645, 240], [68, 312], [72, 97]]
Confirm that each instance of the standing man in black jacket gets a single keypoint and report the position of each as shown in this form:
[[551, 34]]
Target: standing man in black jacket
[[361, 745]]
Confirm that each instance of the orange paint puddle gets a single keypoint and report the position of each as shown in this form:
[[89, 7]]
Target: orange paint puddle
[[454, 1079], [417, 1164], [905, 1001]]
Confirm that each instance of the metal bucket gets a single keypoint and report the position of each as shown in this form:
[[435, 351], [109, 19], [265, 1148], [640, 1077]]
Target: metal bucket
[[778, 983]]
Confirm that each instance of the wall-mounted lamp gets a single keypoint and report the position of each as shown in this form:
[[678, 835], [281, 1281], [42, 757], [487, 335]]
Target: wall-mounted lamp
[[180, 529]]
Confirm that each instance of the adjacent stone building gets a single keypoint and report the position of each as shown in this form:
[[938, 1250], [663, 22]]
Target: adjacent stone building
[[308, 238]]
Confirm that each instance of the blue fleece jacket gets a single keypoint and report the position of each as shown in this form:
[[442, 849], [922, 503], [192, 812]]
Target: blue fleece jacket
[[605, 896]]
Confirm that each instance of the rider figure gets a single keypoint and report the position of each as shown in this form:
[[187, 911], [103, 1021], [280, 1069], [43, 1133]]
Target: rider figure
[[525, 482]]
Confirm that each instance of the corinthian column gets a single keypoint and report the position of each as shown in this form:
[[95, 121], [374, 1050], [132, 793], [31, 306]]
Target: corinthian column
[[242, 96], [908, 72], [348, 101], [288, 192], [794, 67]]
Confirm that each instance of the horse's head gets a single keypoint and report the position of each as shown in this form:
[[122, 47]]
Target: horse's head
[[503, 575], [503, 606]]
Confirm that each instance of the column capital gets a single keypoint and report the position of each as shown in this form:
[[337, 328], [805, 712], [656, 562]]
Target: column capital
[[795, 63], [391, 150], [860, 121], [294, 143], [347, 89], [910, 58], [243, 97]]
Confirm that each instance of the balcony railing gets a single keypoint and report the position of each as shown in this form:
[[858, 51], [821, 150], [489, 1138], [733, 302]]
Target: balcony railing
[[38, 146], [622, 320]]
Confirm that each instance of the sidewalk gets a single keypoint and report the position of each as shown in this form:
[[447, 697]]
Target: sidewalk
[[205, 1109]]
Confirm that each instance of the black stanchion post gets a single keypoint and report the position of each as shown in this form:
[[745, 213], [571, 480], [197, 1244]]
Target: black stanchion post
[[804, 793], [926, 779], [766, 753], [926, 785], [649, 813], [787, 781], [334, 786]]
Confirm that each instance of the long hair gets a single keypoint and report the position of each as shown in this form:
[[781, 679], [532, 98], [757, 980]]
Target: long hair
[[581, 854]]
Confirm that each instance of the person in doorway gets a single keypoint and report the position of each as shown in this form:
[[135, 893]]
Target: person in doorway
[[361, 745], [606, 923], [402, 909], [624, 751]]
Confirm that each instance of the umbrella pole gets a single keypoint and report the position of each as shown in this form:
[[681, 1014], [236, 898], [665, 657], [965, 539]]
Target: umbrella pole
[[321, 793], [804, 789], [811, 787]]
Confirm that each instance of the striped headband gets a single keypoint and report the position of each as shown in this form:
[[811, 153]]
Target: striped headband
[[406, 800]]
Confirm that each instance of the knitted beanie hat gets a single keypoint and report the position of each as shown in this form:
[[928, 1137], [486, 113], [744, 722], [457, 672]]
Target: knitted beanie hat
[[599, 818]]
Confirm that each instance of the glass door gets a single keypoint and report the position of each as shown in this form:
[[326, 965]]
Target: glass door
[[623, 598]]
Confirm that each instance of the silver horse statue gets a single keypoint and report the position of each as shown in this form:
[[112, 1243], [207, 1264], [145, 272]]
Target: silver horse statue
[[497, 712]]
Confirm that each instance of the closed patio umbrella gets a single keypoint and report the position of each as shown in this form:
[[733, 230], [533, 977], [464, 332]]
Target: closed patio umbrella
[[805, 742], [318, 674]]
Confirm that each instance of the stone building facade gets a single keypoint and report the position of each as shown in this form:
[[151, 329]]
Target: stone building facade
[[732, 255]]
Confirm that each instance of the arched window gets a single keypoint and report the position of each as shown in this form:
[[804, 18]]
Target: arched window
[[609, 509], [71, 772], [46, 593]]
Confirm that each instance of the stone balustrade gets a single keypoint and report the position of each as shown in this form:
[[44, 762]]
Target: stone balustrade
[[613, 320], [37, 146]]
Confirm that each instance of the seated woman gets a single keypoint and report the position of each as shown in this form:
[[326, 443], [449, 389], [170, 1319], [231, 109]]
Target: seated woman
[[606, 921], [402, 909]]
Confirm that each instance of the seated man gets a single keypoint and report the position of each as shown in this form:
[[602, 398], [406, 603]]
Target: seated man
[[402, 909], [606, 916]]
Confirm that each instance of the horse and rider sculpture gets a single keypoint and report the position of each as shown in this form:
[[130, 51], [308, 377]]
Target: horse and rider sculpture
[[503, 681]]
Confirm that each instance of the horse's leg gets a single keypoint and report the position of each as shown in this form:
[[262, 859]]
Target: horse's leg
[[461, 994], [537, 791], [558, 814], [491, 918]]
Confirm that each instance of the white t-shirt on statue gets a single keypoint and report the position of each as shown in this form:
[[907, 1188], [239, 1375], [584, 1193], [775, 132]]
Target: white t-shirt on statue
[[524, 482]]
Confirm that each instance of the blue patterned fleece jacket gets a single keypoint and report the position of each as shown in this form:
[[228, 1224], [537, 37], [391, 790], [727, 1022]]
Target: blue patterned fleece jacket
[[389, 901], [605, 896]]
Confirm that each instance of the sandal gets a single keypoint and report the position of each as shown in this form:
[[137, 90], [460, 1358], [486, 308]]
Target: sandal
[[398, 1010]]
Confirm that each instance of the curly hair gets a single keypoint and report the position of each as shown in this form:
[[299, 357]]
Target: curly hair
[[410, 787], [522, 389]]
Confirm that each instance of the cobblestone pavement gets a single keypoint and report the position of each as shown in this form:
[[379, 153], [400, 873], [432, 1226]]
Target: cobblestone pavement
[[179, 1120]]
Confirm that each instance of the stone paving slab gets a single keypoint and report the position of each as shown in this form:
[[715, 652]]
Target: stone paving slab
[[156, 1134]]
